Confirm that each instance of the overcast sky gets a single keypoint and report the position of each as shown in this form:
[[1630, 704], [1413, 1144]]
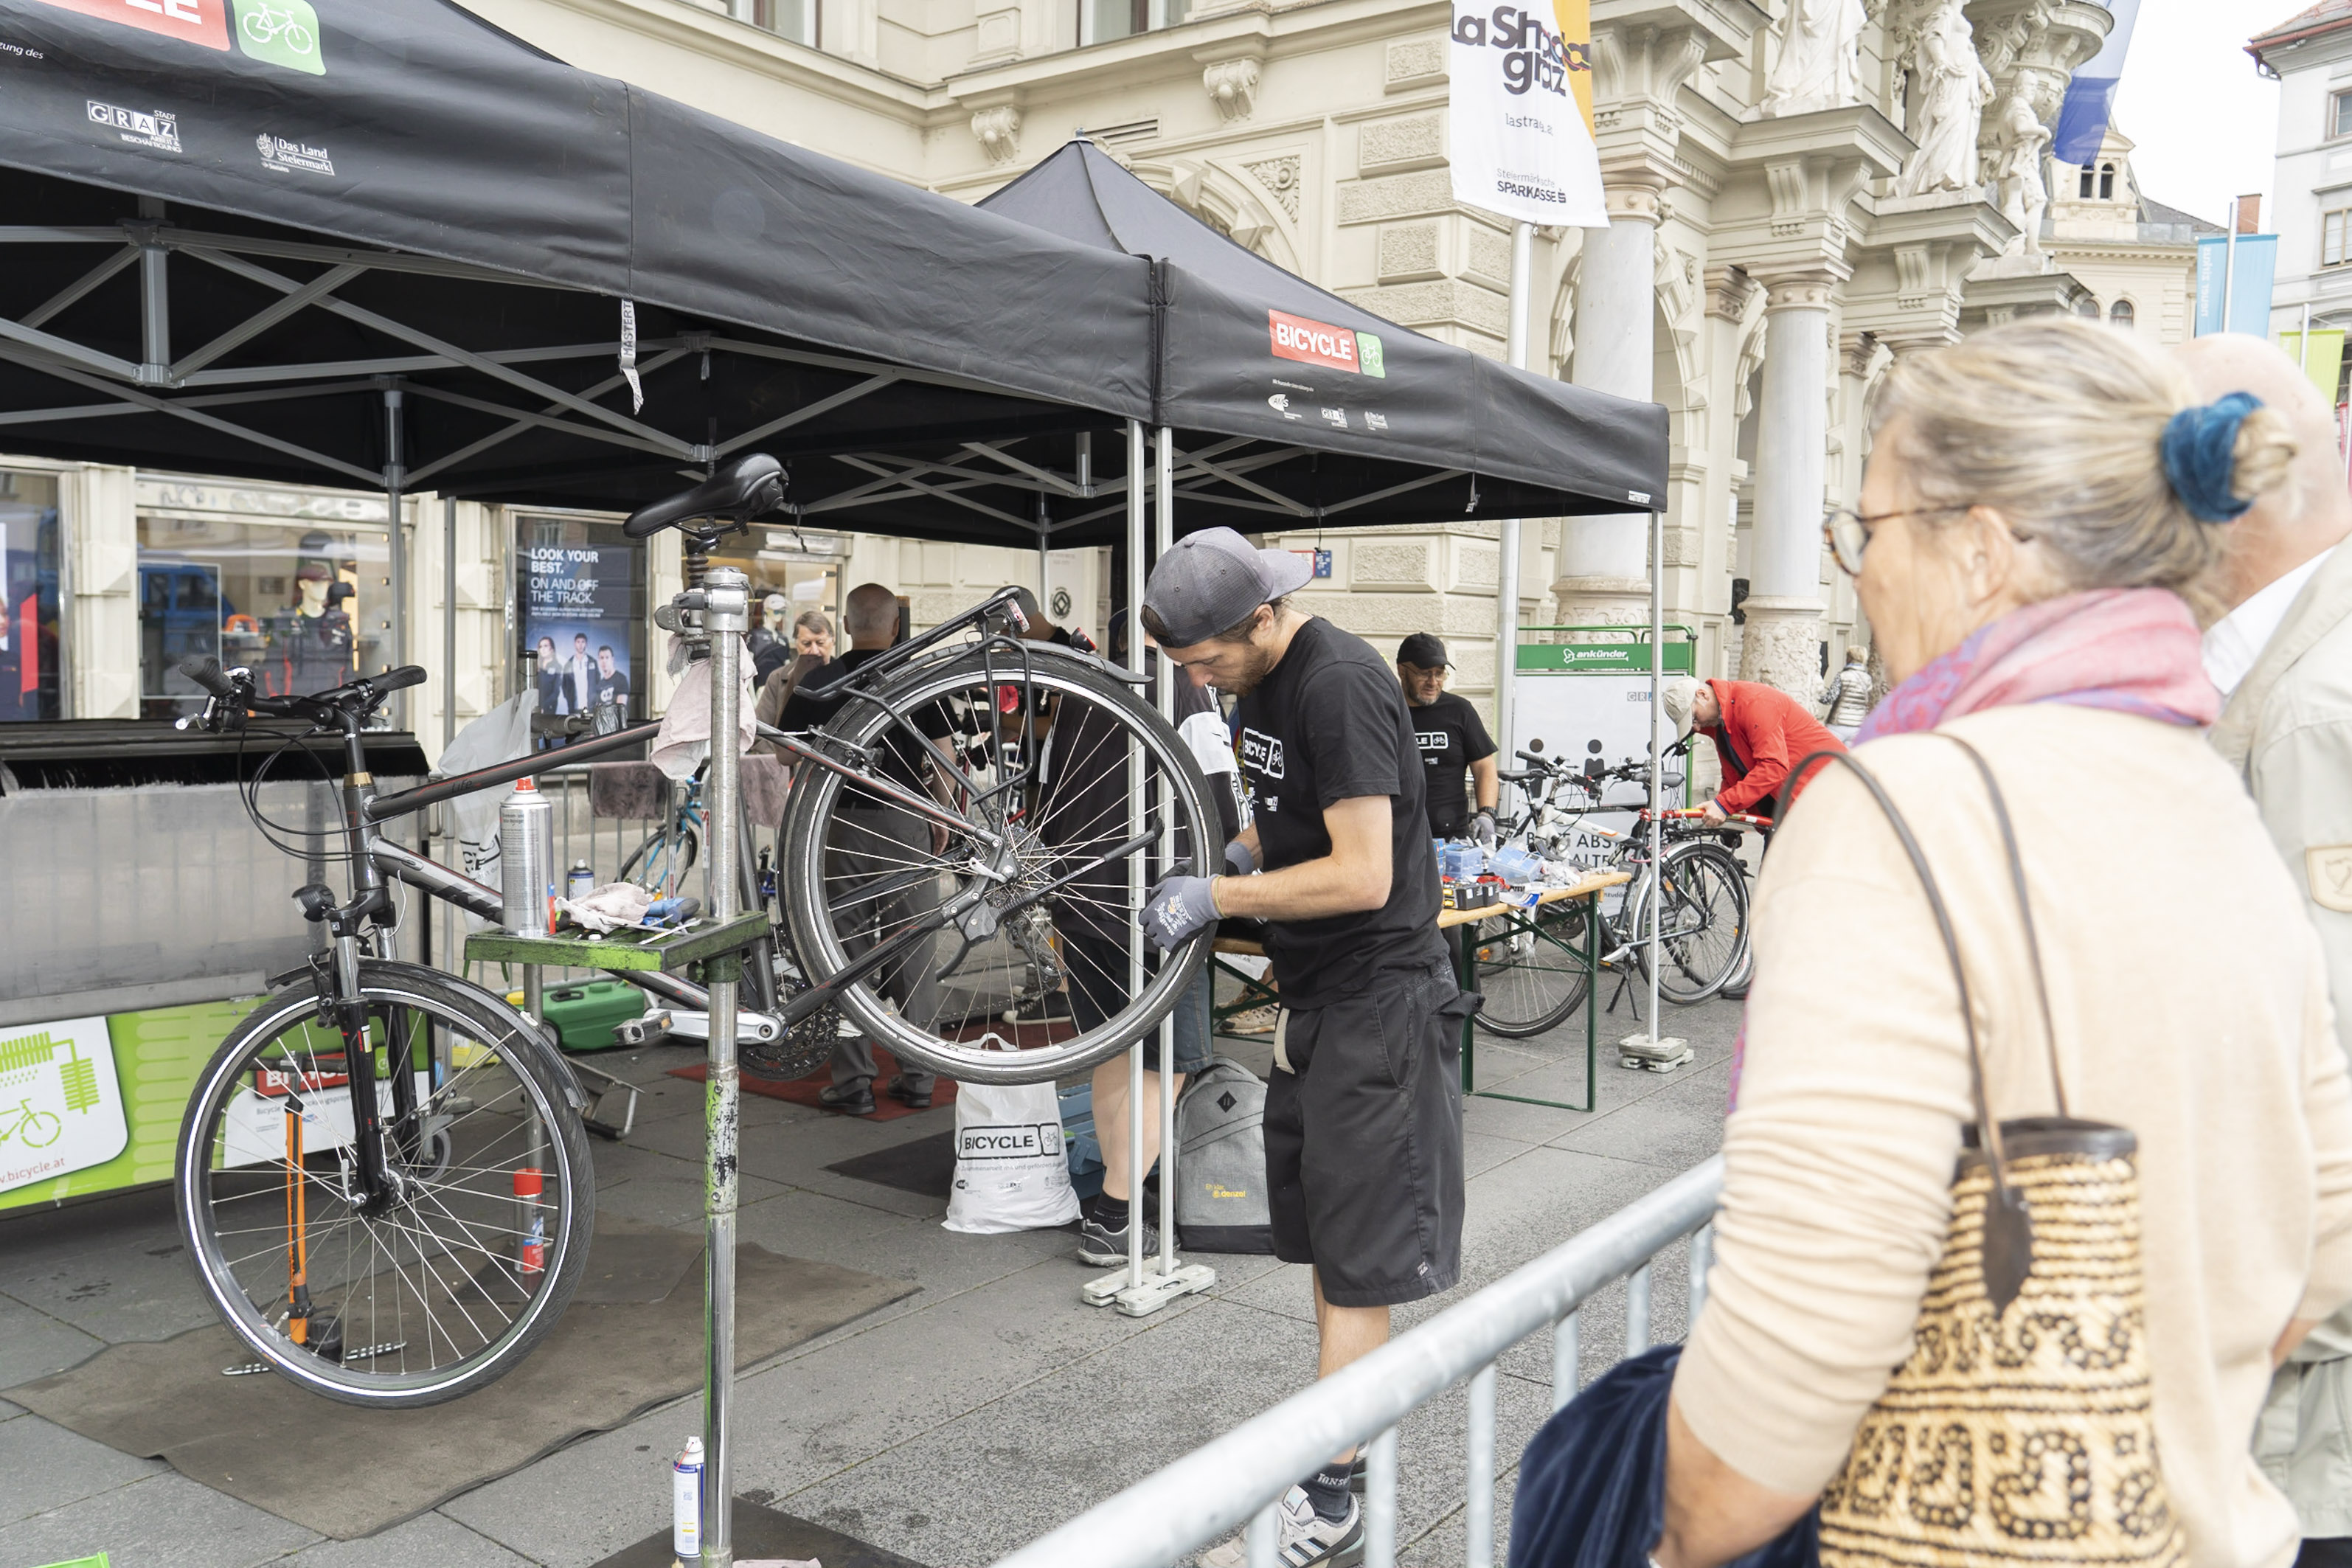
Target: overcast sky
[[2204, 124]]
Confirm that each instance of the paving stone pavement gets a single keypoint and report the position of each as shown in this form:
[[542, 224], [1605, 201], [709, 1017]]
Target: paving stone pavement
[[950, 1427]]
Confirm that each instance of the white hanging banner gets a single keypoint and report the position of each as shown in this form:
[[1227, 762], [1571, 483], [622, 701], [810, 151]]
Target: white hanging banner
[[1520, 120]]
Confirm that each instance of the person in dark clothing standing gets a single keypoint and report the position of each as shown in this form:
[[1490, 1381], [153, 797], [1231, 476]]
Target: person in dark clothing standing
[[1452, 737], [1363, 1115]]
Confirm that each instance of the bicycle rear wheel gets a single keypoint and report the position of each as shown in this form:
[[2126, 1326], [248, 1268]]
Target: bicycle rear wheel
[[449, 1284], [1533, 979], [1705, 926], [1030, 866]]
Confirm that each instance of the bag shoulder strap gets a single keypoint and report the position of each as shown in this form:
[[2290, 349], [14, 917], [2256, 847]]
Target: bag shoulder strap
[[2024, 911]]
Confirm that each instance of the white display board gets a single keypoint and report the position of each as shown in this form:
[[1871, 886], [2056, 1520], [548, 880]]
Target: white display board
[[1591, 702], [61, 1105]]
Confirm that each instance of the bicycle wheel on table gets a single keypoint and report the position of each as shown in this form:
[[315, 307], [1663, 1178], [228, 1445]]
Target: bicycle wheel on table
[[1533, 980], [451, 1283], [1040, 752], [1704, 930]]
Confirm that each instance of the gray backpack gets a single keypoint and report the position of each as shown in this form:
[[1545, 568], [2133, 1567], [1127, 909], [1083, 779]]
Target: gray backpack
[[1221, 1159]]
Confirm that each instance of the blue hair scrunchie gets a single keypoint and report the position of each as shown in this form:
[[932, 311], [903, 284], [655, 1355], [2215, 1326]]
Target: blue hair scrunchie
[[2199, 450]]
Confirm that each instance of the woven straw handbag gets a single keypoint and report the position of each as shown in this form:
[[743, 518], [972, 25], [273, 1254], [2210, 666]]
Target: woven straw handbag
[[2019, 1430]]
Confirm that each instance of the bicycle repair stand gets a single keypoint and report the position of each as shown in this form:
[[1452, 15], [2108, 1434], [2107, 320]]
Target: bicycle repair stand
[[720, 609], [1135, 1290]]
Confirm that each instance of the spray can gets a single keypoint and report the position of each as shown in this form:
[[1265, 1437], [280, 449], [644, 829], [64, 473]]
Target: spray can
[[685, 1503], [525, 859], [580, 881], [528, 1185]]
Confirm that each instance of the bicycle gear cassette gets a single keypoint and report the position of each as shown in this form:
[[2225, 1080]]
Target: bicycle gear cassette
[[798, 1052]]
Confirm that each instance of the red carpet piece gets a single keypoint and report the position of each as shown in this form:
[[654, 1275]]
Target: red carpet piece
[[804, 1090]]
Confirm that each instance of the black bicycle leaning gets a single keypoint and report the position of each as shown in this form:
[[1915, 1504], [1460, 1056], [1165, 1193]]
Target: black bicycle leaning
[[383, 1176]]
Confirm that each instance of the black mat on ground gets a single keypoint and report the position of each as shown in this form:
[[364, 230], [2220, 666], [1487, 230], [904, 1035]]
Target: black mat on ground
[[762, 1534], [921, 1165], [606, 1361]]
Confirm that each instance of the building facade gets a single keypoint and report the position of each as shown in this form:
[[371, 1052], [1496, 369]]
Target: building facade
[[1796, 203], [2311, 55]]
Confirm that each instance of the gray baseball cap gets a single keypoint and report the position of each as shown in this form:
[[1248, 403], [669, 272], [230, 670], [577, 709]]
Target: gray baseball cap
[[1212, 579]]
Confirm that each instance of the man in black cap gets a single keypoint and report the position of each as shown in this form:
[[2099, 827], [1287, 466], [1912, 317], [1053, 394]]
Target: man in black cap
[[1363, 1114], [1452, 737]]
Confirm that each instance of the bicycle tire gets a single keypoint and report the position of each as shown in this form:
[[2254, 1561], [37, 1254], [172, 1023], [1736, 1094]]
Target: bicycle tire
[[684, 844], [226, 1184], [1705, 928], [1534, 987], [812, 822]]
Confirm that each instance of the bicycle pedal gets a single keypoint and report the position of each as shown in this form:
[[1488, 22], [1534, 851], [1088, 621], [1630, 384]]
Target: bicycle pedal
[[642, 1031]]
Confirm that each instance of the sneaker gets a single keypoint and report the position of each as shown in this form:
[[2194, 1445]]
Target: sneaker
[[1106, 1248], [1306, 1539], [1256, 1021]]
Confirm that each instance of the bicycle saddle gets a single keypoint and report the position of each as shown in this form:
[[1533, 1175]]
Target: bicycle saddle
[[744, 489]]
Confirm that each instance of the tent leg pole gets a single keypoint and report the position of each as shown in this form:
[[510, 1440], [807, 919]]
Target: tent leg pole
[[1163, 539], [1506, 572], [449, 620], [1657, 793], [395, 475], [1137, 660]]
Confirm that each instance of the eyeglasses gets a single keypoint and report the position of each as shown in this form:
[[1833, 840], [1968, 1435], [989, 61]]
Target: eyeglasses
[[1847, 531]]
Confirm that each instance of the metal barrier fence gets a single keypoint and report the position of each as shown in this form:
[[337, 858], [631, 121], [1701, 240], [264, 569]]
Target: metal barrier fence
[[1241, 1476]]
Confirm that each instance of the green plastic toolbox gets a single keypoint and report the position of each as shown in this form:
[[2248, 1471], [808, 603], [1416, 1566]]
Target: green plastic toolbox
[[582, 1012]]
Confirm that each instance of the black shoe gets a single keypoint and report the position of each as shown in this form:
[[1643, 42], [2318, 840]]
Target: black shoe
[[1053, 1007], [906, 1093], [851, 1099]]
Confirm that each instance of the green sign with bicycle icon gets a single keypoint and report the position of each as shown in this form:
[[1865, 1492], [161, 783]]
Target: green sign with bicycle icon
[[283, 32], [60, 1104]]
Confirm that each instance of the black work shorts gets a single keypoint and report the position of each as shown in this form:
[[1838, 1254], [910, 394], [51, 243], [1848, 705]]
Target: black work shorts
[[1363, 1139]]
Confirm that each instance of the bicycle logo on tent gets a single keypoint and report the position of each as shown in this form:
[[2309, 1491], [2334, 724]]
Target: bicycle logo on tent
[[283, 32]]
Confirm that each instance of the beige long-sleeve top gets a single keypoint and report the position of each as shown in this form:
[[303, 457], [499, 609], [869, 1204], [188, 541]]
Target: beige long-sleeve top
[[2191, 1008]]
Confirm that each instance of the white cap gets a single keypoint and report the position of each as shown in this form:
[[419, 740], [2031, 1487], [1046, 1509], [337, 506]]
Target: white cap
[[775, 603], [1675, 695]]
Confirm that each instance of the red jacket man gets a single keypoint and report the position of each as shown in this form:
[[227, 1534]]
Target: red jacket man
[[1760, 733]]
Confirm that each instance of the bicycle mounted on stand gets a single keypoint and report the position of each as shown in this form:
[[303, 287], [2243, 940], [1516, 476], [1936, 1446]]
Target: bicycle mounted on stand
[[435, 1134]]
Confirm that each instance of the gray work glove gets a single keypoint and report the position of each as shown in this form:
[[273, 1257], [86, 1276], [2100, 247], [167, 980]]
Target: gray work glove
[[1483, 828], [1175, 909], [1239, 861]]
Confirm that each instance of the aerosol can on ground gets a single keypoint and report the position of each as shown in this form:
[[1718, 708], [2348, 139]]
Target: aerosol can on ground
[[686, 1504], [526, 860]]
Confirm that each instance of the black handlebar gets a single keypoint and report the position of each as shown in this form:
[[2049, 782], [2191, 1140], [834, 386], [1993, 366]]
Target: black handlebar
[[400, 679], [205, 671]]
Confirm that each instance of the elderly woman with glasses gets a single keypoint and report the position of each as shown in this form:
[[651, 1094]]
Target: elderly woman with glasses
[[2042, 508]]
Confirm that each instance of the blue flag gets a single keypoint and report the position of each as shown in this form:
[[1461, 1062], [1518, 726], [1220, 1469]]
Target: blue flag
[[2250, 283], [2091, 95]]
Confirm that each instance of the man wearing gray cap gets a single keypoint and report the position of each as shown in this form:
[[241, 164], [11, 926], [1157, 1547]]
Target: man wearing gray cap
[[1363, 1114]]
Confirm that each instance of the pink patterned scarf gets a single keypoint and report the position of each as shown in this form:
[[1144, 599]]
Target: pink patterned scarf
[[2134, 650]]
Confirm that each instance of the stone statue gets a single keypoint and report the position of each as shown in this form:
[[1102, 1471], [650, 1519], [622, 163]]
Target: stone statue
[[1953, 91], [1817, 67], [2021, 145]]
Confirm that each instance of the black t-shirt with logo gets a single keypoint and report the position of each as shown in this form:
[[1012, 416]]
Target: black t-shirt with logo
[[612, 688], [1330, 724], [1451, 736]]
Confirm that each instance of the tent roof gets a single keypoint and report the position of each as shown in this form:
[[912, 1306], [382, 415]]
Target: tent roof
[[221, 251], [1224, 367]]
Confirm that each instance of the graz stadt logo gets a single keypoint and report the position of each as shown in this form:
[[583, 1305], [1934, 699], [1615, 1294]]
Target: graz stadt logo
[[1533, 54], [139, 127]]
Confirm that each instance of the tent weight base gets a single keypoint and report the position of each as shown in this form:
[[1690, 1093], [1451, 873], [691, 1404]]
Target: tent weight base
[[1663, 1055], [1156, 1290]]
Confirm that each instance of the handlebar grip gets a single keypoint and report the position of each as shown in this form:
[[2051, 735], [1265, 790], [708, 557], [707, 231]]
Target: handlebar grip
[[1530, 757], [205, 671], [400, 679]]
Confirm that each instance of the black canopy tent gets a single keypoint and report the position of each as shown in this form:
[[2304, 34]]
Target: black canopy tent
[[431, 214]]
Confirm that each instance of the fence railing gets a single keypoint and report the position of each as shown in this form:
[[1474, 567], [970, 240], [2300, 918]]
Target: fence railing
[[1242, 1476]]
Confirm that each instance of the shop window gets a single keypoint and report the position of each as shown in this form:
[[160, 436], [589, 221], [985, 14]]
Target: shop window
[[795, 19], [2121, 314], [579, 597], [29, 622], [303, 606], [1100, 21], [2339, 115], [799, 566]]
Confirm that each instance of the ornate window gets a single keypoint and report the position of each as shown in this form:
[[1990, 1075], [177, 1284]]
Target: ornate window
[[2107, 181], [2331, 238], [2089, 175], [2121, 314], [2087, 307]]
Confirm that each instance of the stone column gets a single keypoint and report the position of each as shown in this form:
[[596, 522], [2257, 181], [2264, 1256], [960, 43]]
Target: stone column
[[1604, 561], [1783, 647]]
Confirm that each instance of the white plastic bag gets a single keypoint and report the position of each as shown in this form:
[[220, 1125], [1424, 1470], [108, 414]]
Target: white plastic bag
[[1012, 1171], [501, 735]]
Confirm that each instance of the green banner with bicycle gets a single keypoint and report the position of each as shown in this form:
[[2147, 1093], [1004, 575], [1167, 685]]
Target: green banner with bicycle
[[93, 1104], [1588, 703]]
